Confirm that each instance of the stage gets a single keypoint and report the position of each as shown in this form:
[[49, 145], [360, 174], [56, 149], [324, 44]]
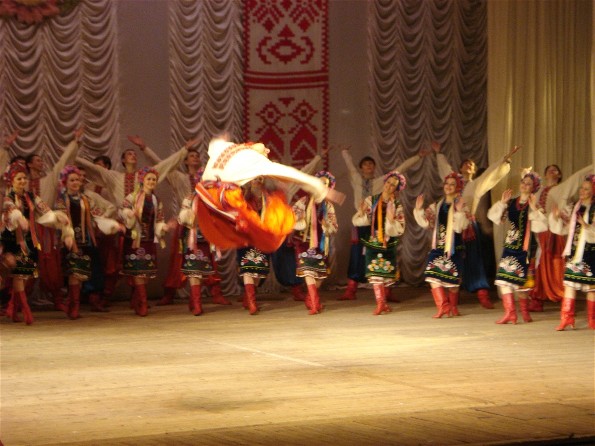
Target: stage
[[283, 377]]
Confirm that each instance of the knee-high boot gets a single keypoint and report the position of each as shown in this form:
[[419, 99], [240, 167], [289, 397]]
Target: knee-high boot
[[524, 305], [12, 310], [74, 301], [140, 300], [349, 293], [566, 314], [509, 309], [27, 315], [314, 299], [58, 300], [453, 300], [194, 304], [217, 295], [380, 296], [591, 313], [484, 299], [441, 301], [250, 290], [169, 293]]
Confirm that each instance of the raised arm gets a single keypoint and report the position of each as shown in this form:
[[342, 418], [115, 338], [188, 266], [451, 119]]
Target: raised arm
[[563, 192]]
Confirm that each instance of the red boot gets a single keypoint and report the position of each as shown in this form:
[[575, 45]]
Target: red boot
[[566, 314], [169, 294], [22, 297], [314, 298], [218, 297], [349, 293], [453, 301], [484, 299], [591, 313], [298, 295], [380, 295], [524, 304], [141, 306], [74, 301], [441, 301], [12, 310], [251, 298], [509, 309], [194, 304], [58, 299], [388, 292]]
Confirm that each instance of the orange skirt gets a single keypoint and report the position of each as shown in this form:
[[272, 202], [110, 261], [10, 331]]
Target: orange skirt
[[228, 222]]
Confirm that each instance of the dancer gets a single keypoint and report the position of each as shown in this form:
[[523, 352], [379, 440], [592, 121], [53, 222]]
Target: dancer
[[549, 264], [474, 274], [142, 214], [514, 275], [383, 215], [315, 225], [23, 211], [45, 185], [84, 215], [197, 258], [577, 223], [284, 258], [447, 218], [365, 183], [227, 219]]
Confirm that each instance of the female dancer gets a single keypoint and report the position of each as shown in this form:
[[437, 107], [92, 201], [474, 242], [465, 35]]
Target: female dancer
[[447, 218], [84, 215], [579, 252], [514, 275], [22, 211], [383, 213], [197, 258], [316, 223], [142, 214]]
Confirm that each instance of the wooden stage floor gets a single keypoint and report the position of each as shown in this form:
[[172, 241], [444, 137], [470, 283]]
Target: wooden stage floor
[[343, 377]]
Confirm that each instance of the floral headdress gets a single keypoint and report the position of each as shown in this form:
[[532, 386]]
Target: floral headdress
[[458, 178], [529, 172], [64, 173], [142, 173], [400, 178], [329, 176], [11, 172]]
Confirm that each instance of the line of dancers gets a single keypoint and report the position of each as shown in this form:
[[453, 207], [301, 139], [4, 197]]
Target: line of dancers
[[85, 225]]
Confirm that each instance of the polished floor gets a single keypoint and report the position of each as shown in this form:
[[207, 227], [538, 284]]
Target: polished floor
[[283, 377]]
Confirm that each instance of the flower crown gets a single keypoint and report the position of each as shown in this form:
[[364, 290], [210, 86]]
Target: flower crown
[[64, 173], [460, 182], [329, 176], [400, 178], [142, 173], [529, 172], [12, 170]]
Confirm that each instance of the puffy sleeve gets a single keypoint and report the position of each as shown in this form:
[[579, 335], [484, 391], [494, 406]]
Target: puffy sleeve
[[496, 212], [425, 217], [299, 210], [186, 215], [170, 163], [486, 182], [395, 225], [444, 167], [363, 217], [126, 212], [538, 221], [329, 224]]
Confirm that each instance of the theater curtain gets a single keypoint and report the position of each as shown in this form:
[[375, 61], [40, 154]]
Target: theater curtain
[[60, 74]]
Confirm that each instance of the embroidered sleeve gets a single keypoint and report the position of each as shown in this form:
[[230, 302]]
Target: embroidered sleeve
[[330, 225], [363, 216], [299, 210], [395, 224], [497, 212]]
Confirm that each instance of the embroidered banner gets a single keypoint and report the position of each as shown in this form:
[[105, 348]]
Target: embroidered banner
[[286, 77]]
